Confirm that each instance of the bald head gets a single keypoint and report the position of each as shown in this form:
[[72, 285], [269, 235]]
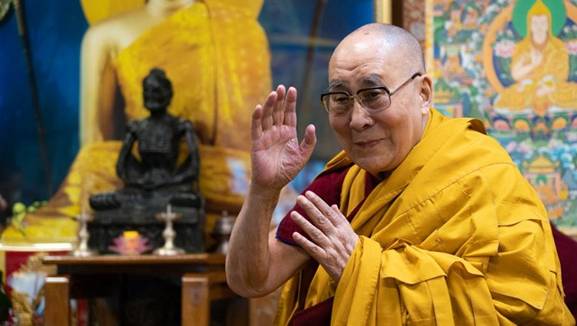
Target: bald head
[[396, 44], [379, 133]]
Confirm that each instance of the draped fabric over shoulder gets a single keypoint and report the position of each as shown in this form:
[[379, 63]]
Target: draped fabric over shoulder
[[216, 55], [449, 238]]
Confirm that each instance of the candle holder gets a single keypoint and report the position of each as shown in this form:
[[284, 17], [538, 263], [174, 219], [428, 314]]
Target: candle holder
[[169, 249], [221, 232], [82, 249]]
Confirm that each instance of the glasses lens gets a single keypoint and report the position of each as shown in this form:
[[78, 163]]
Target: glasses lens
[[375, 99], [338, 102]]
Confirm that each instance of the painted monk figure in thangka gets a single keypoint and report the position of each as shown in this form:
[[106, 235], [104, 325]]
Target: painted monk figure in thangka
[[540, 68]]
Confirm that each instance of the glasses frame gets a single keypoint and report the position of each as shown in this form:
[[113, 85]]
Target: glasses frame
[[356, 95]]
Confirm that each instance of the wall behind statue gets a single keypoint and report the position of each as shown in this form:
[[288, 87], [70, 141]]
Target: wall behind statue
[[54, 29]]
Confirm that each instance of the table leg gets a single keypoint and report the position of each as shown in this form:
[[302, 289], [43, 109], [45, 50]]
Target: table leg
[[57, 294], [195, 300]]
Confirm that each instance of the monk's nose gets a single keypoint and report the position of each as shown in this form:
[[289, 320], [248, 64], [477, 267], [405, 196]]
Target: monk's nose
[[360, 118]]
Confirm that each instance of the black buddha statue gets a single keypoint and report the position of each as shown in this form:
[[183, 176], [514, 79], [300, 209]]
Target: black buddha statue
[[155, 176]]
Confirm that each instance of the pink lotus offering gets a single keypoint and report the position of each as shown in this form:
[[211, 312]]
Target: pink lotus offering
[[130, 243]]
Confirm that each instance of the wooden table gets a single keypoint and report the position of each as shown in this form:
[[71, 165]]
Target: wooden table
[[202, 275]]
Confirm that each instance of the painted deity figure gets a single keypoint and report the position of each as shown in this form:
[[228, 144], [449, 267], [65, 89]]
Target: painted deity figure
[[540, 68]]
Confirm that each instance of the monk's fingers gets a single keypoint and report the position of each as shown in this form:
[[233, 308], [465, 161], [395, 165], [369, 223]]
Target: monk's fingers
[[316, 252], [256, 125], [308, 142], [315, 216], [344, 231], [315, 234], [329, 220], [290, 115], [267, 111], [278, 112], [328, 212], [339, 217]]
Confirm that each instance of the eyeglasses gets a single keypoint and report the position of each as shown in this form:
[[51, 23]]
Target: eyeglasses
[[373, 99]]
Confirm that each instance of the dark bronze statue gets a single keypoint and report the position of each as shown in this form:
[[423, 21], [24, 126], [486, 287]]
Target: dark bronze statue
[[153, 178], [155, 175]]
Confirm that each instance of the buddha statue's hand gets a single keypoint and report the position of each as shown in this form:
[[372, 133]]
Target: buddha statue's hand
[[277, 156]]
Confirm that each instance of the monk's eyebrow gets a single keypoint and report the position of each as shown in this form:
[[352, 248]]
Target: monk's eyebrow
[[372, 80], [337, 85]]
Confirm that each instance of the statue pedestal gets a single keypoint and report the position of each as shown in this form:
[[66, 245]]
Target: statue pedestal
[[109, 225]]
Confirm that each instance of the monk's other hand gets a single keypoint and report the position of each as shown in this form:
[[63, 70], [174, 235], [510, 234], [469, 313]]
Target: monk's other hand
[[276, 154], [331, 239]]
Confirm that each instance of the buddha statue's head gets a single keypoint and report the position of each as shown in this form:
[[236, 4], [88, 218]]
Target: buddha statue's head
[[539, 23], [157, 91]]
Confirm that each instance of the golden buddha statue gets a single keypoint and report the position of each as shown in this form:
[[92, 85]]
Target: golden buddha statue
[[217, 56], [540, 68]]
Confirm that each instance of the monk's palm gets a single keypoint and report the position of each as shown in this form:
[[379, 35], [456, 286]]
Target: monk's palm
[[277, 157]]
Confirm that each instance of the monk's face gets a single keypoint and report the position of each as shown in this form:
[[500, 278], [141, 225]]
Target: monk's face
[[377, 142], [539, 28]]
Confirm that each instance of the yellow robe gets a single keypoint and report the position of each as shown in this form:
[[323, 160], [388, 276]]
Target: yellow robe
[[552, 72], [216, 55], [454, 236]]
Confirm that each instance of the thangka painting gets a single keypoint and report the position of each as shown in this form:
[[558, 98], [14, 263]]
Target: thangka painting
[[414, 19], [513, 64]]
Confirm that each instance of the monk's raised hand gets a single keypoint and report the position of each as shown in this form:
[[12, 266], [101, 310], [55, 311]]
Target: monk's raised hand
[[331, 239], [277, 156]]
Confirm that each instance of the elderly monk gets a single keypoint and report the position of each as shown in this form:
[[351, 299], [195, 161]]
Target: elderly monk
[[420, 220]]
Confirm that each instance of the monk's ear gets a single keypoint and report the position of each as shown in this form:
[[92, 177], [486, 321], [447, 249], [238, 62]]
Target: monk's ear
[[426, 92]]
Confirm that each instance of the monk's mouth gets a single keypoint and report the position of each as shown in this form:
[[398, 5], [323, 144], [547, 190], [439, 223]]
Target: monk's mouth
[[368, 143]]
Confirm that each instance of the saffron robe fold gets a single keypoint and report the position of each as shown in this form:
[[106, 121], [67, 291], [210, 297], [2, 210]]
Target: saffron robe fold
[[454, 236]]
